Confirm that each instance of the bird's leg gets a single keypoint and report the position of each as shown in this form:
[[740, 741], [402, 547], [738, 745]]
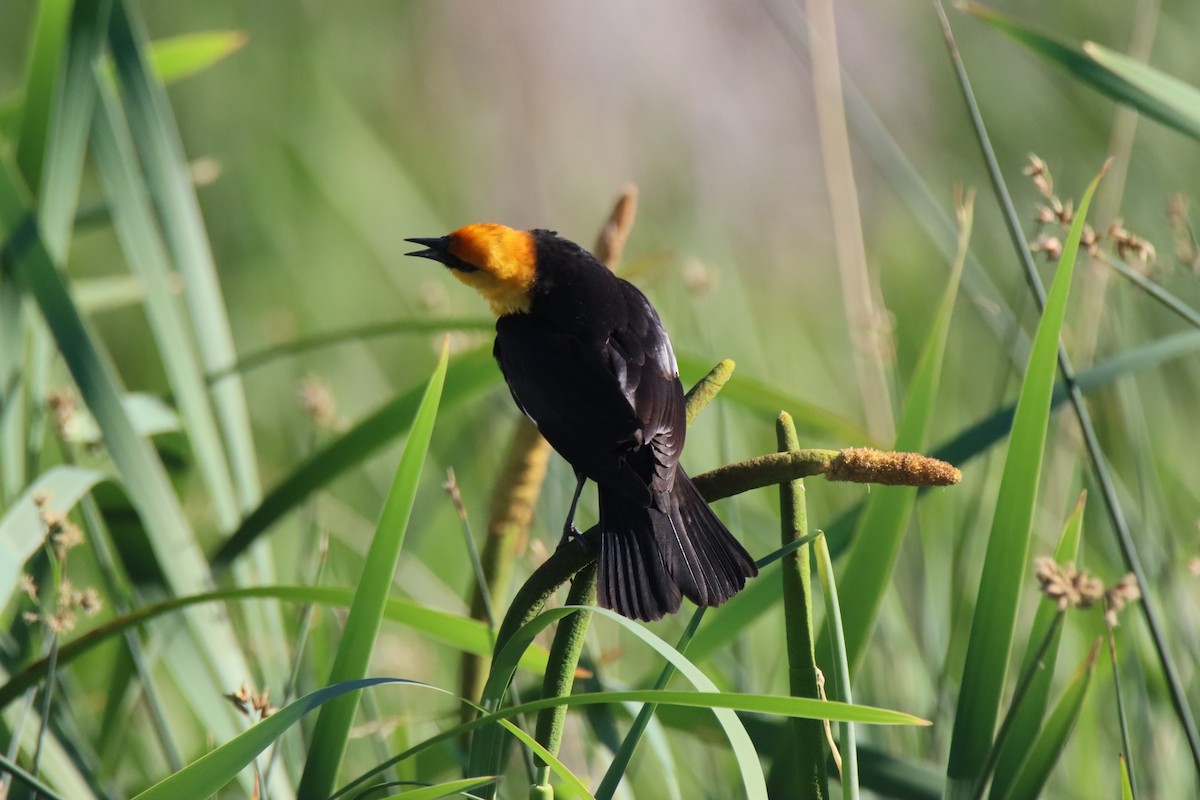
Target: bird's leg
[[570, 532]]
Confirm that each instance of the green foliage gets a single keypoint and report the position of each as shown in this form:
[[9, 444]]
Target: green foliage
[[178, 258]]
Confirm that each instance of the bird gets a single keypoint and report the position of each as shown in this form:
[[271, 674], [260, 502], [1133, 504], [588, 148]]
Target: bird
[[588, 361]]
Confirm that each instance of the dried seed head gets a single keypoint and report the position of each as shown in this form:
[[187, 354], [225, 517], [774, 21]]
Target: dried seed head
[[28, 586], [64, 409], [1052, 246], [1034, 166], [699, 278], [67, 537], [1065, 585], [1090, 241], [60, 622], [865, 465], [316, 399], [1119, 595], [1045, 215]]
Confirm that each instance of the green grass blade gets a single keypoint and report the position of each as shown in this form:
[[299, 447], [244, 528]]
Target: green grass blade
[[207, 775], [1153, 93], [177, 57], [461, 633], [133, 218], [46, 55], [1126, 784], [21, 527], [156, 136], [763, 397], [884, 521], [840, 666], [142, 474], [332, 731], [442, 789], [1027, 720], [486, 754], [1006, 562], [472, 373], [1044, 752]]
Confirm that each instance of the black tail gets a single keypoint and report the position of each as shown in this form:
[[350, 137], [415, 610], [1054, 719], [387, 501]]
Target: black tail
[[649, 558]]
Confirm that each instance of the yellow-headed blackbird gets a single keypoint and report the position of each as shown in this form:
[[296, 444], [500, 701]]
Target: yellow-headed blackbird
[[588, 361]]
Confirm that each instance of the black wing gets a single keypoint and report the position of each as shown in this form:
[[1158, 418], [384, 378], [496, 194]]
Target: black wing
[[613, 408]]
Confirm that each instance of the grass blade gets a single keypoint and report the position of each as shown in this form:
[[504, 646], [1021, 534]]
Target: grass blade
[[332, 731], [884, 521], [142, 473], [1027, 719], [177, 57], [461, 633], [473, 372], [1153, 93], [46, 56], [21, 527], [442, 789], [156, 136], [1004, 568], [841, 667], [133, 218], [486, 755], [1046, 749]]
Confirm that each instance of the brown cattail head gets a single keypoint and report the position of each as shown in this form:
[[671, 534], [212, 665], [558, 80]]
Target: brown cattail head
[[865, 465]]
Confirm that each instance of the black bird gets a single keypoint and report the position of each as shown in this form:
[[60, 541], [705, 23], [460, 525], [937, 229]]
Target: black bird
[[588, 361]]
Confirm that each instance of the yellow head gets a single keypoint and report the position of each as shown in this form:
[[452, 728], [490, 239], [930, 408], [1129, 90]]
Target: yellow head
[[495, 260]]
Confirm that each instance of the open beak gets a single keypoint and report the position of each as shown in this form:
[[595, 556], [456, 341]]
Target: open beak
[[437, 249]]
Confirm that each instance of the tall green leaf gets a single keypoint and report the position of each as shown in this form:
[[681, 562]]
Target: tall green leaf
[[473, 372], [1028, 716], [1005, 565], [332, 730], [1045, 750], [1153, 93], [884, 521]]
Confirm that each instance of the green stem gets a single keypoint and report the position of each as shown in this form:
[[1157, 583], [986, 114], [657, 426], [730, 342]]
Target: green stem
[[808, 736], [564, 658], [841, 666]]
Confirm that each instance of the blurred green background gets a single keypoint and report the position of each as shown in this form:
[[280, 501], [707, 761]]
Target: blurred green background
[[340, 129]]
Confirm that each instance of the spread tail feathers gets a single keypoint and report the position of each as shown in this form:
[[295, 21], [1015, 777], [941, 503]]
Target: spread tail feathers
[[650, 557]]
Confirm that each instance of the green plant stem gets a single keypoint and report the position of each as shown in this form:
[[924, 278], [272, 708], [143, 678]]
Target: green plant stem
[[808, 736], [1128, 755], [841, 666], [1091, 442], [47, 698], [1019, 693], [568, 643]]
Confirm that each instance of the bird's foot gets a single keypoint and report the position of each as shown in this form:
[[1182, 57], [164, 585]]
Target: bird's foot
[[570, 534]]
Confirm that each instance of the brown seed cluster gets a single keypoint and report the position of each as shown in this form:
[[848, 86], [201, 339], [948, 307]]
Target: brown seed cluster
[[1072, 588], [256, 706], [61, 615], [1057, 215], [316, 398], [866, 465]]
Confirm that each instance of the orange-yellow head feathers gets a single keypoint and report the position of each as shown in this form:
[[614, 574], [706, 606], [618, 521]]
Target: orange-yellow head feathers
[[495, 260]]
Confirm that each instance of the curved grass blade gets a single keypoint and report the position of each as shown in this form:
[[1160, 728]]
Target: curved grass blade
[[1027, 719], [177, 57], [472, 373], [763, 397], [46, 55], [1153, 93], [212, 771], [357, 333], [462, 633], [486, 754], [1004, 568], [1046, 749], [21, 531], [133, 218], [441, 790], [332, 731], [884, 521], [840, 667], [156, 137], [23, 778]]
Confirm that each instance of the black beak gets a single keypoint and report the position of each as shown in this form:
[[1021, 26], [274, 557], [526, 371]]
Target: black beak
[[437, 249]]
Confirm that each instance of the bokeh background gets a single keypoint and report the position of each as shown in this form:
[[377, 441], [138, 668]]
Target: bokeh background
[[340, 129]]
